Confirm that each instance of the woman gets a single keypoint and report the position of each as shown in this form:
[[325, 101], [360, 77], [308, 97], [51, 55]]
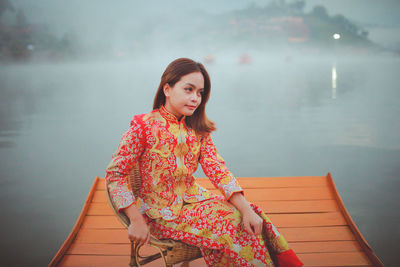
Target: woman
[[167, 144]]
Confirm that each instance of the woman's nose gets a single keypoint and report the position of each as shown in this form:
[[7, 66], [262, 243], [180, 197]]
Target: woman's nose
[[194, 97]]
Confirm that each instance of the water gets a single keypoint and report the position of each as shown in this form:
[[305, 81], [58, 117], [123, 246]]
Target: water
[[280, 116]]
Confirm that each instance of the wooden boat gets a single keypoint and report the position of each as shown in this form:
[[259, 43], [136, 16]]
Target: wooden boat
[[307, 210]]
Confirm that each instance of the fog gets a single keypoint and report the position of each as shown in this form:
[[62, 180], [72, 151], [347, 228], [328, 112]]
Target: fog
[[77, 30], [288, 100]]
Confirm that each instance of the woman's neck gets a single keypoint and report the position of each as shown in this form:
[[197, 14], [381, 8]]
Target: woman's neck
[[168, 109]]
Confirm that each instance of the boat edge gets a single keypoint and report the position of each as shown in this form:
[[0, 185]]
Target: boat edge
[[68, 241], [353, 227]]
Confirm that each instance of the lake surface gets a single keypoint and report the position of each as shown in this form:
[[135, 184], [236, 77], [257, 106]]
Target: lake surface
[[279, 116]]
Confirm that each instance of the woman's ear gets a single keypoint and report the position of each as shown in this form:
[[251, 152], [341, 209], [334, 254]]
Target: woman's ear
[[166, 89]]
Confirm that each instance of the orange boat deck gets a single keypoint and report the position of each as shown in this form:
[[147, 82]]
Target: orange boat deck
[[307, 210]]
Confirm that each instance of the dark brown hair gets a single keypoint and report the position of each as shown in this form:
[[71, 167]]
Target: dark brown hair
[[172, 74]]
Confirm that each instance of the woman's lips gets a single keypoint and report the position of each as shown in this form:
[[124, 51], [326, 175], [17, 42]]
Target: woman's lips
[[191, 107]]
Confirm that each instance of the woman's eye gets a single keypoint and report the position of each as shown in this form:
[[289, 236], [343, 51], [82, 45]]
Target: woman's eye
[[189, 89]]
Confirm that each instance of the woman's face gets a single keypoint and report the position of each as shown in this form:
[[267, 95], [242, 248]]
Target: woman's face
[[185, 96]]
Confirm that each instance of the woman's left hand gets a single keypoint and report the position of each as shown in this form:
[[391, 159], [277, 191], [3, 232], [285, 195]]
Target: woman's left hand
[[252, 222]]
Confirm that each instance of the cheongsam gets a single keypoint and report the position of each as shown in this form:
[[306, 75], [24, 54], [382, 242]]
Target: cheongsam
[[175, 206]]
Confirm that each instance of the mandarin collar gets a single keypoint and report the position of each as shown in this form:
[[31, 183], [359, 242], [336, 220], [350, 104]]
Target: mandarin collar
[[169, 116]]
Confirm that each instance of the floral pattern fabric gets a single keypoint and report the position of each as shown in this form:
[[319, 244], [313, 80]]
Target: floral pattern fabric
[[175, 206], [215, 226], [168, 153]]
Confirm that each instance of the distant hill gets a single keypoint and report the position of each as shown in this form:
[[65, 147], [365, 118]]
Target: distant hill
[[277, 24]]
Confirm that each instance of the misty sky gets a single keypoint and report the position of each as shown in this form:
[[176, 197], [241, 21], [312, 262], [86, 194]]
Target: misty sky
[[62, 14], [90, 19]]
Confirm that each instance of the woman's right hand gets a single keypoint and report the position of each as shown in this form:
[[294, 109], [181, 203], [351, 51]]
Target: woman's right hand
[[138, 231]]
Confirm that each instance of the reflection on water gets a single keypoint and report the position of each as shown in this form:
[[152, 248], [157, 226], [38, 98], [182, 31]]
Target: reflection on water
[[334, 78], [59, 125]]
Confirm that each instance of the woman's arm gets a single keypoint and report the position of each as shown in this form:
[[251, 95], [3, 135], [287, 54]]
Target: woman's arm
[[214, 167], [138, 231], [123, 160], [252, 223]]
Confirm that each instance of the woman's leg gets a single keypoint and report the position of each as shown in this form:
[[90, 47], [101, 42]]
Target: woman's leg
[[215, 226]]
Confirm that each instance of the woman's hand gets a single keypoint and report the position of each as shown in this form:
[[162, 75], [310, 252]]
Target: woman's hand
[[252, 222], [138, 231]]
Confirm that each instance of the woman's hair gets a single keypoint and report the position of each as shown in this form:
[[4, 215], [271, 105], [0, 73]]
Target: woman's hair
[[172, 74]]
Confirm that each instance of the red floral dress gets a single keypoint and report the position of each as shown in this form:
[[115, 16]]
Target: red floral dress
[[175, 206]]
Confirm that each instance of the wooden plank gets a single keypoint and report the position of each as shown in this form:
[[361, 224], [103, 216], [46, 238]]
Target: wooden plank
[[100, 197], [312, 193], [335, 259], [102, 222], [102, 236], [297, 206], [101, 185], [333, 233], [100, 249], [272, 182], [308, 219], [100, 208], [285, 194], [326, 246], [96, 260]]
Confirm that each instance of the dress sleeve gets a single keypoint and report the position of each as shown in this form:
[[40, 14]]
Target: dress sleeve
[[123, 160], [214, 167]]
